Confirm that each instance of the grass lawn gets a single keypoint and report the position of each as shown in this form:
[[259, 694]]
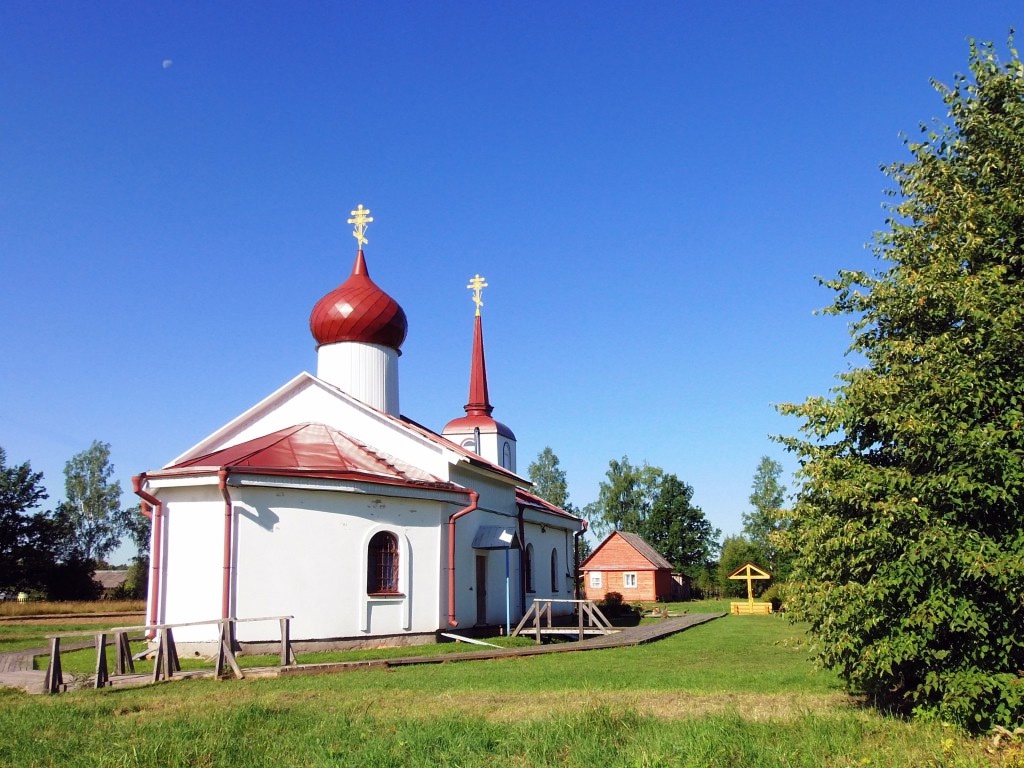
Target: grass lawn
[[738, 691], [12, 608]]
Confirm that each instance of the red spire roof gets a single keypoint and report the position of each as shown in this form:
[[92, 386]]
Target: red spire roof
[[478, 409], [479, 401], [358, 310]]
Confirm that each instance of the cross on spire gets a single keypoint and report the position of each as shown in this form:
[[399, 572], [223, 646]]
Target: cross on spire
[[477, 285], [360, 217]]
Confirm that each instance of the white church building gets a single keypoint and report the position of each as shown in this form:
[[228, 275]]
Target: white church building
[[324, 503]]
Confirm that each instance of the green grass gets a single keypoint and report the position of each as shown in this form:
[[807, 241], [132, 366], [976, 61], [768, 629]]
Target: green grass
[[12, 608], [736, 692], [18, 637]]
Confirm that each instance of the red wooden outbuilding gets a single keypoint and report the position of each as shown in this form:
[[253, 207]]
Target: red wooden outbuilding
[[627, 564]]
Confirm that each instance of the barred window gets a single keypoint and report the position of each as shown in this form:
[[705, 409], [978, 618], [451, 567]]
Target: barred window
[[382, 564]]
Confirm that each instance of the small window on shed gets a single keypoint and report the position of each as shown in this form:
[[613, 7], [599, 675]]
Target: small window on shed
[[595, 579], [629, 580], [382, 564]]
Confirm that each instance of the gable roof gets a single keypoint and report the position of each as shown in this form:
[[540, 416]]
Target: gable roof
[[637, 542], [749, 570], [310, 450], [110, 579], [304, 381]]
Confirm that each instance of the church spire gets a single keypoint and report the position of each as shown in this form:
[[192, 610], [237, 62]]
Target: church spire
[[479, 400], [477, 431]]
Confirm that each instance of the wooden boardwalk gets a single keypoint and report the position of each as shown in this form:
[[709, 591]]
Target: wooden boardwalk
[[639, 635], [17, 672]]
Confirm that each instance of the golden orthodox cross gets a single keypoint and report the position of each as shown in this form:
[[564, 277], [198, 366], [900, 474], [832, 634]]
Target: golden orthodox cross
[[360, 217], [477, 285]]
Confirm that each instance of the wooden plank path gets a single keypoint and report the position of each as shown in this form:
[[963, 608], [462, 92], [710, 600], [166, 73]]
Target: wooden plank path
[[645, 633], [629, 636]]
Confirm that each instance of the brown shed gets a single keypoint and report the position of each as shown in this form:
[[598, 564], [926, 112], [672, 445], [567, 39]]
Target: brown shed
[[110, 581], [627, 564]]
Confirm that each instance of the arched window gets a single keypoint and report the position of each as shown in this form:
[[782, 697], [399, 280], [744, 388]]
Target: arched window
[[528, 567], [382, 564], [554, 570], [506, 455]]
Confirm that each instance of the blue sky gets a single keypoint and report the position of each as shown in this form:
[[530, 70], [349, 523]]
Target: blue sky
[[649, 189]]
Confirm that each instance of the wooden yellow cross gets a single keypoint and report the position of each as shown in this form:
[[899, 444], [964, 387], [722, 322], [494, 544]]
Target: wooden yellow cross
[[749, 572]]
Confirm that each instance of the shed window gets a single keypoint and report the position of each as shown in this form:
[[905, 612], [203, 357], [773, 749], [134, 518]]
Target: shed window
[[629, 580], [595, 579], [382, 564]]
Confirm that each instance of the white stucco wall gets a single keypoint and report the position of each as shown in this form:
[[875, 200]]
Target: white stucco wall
[[303, 553], [192, 560], [546, 539], [492, 445], [368, 372]]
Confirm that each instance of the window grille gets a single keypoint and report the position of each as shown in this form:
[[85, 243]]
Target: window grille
[[382, 564]]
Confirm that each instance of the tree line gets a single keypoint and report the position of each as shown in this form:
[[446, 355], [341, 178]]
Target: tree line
[[658, 505], [52, 553]]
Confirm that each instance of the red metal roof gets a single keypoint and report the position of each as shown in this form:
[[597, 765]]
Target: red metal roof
[[527, 499], [358, 310], [312, 450]]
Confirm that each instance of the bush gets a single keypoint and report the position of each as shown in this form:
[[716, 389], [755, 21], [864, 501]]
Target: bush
[[135, 585], [775, 595], [612, 602]]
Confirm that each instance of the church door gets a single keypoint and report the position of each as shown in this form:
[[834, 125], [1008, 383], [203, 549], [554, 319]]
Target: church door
[[481, 589]]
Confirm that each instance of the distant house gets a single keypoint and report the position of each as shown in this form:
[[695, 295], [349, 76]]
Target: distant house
[[627, 564], [111, 581]]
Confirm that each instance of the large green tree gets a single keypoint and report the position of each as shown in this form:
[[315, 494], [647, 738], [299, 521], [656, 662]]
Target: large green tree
[[678, 529], [548, 478], [910, 522], [21, 491], [33, 556], [767, 521], [93, 505], [624, 497]]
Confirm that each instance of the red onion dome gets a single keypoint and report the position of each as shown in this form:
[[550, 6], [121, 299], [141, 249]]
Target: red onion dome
[[357, 310]]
